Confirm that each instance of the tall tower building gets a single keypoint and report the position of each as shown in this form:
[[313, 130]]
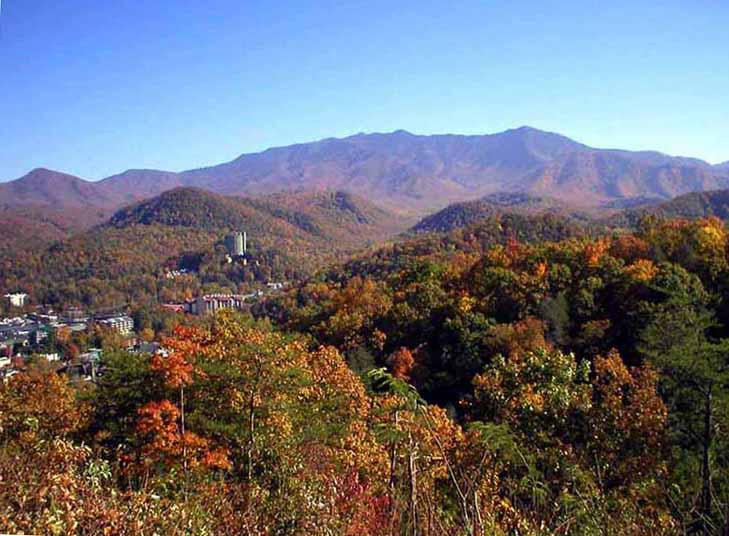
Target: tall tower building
[[236, 244]]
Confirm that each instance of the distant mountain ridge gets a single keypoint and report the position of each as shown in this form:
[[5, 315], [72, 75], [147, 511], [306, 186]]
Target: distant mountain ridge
[[135, 184], [406, 172]]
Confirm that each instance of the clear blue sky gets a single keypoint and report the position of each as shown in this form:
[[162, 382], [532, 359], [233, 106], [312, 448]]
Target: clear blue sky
[[93, 87]]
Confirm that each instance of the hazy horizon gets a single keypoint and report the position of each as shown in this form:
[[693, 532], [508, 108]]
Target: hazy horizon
[[211, 164]]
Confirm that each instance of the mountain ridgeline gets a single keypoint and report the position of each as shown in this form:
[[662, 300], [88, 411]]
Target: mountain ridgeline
[[404, 172], [68, 240]]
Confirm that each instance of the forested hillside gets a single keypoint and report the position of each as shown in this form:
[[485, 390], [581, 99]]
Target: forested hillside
[[693, 205], [34, 227], [532, 337], [513, 377], [124, 260], [468, 212]]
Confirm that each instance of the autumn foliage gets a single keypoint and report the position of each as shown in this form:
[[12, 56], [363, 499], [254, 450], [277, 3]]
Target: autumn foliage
[[440, 386]]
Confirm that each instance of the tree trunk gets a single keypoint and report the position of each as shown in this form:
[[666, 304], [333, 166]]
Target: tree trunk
[[251, 430], [182, 429], [393, 477], [413, 470], [706, 505], [477, 520]]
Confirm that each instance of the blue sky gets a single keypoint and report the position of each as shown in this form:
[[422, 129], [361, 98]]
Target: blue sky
[[93, 87]]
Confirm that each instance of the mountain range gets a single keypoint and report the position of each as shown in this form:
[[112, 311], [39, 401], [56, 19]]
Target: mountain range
[[409, 173]]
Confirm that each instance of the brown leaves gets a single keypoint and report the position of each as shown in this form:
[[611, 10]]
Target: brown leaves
[[629, 247]]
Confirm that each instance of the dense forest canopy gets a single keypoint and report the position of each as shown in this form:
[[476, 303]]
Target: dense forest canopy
[[518, 376]]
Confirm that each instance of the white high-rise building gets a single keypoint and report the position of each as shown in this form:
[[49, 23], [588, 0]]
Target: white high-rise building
[[18, 299], [237, 244]]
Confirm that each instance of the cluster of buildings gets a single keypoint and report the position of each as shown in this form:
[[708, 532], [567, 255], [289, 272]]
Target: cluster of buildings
[[77, 319], [122, 324], [86, 367], [28, 334], [210, 303], [31, 329]]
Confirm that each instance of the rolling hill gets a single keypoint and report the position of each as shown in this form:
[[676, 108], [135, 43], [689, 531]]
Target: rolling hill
[[345, 220], [344, 217], [408, 173], [124, 260], [44, 206], [690, 206], [458, 215], [20, 230]]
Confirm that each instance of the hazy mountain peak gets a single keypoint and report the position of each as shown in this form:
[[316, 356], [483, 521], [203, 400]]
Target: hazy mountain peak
[[526, 129], [43, 186], [408, 172], [41, 174]]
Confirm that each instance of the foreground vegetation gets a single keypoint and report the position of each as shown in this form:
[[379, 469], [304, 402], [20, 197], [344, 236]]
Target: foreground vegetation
[[504, 379]]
